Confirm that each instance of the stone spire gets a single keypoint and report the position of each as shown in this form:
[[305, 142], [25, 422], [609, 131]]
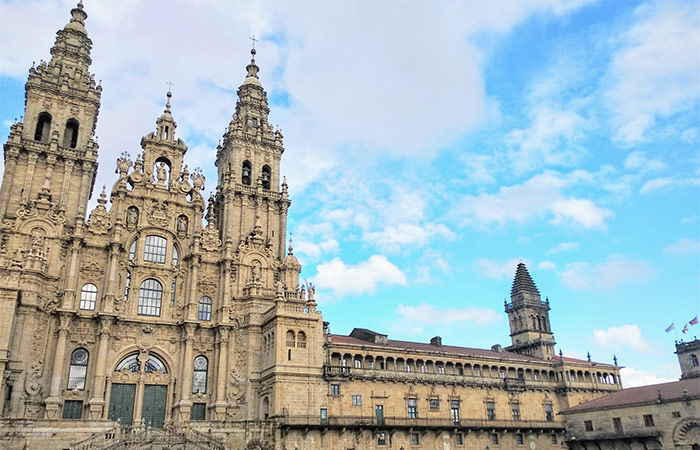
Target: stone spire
[[165, 124], [523, 282], [253, 69]]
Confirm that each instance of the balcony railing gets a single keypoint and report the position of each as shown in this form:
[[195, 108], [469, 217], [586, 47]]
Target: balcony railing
[[336, 371], [403, 422]]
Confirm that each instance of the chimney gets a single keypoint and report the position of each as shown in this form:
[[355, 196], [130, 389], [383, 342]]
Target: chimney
[[436, 341]]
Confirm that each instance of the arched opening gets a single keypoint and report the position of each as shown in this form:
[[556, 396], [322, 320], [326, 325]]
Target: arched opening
[[245, 173], [150, 298], [88, 297], [78, 369], [199, 377], [132, 216], [301, 339], [155, 249], [43, 127], [176, 256], [70, 135], [205, 308], [291, 341], [266, 176], [693, 361], [266, 408]]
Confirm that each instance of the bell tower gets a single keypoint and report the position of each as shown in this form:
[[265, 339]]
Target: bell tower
[[529, 318], [249, 199], [50, 156]]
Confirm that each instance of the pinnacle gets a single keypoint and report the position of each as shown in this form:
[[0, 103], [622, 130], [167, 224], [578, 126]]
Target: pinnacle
[[523, 282]]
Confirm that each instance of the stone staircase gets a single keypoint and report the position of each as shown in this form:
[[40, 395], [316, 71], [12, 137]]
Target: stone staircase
[[169, 437]]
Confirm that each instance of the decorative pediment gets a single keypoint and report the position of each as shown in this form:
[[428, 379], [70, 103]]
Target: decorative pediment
[[210, 238], [158, 213], [99, 223]]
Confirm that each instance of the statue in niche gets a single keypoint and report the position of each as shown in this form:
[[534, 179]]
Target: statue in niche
[[161, 173], [182, 224], [37, 238], [132, 216], [255, 271]]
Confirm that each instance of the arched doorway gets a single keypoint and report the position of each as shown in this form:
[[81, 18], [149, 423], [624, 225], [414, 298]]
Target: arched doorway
[[139, 391]]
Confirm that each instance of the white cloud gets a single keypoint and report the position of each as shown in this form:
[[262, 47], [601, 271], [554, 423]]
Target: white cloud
[[606, 275], [428, 314], [563, 247], [498, 270], [549, 141], [663, 182], [540, 195], [313, 251], [638, 161], [622, 336], [689, 219], [393, 238], [362, 278], [546, 265], [632, 378], [683, 246], [655, 73]]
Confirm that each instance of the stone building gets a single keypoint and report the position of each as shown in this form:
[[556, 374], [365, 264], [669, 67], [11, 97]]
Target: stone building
[[161, 316], [658, 416]]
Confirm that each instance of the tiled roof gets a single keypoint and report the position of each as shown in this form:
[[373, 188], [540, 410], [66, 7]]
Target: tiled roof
[[523, 282], [406, 345], [643, 394]]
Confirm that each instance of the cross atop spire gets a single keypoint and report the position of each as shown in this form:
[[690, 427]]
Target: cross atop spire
[[252, 38]]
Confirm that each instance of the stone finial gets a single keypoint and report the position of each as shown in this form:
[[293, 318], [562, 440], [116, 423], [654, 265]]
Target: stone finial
[[588, 356]]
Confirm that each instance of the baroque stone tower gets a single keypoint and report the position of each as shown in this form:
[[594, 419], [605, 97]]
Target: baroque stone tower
[[528, 315], [50, 157]]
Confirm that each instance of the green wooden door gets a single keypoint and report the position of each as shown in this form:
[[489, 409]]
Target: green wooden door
[[121, 403], [154, 396]]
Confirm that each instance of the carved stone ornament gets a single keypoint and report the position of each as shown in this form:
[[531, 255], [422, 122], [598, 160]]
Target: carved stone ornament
[[210, 238], [158, 213], [98, 223]]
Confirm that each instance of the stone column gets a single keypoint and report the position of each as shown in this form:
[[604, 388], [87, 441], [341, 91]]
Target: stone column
[[6, 183], [108, 303], [97, 402], [85, 185], [138, 401], [283, 232], [221, 372], [185, 405], [191, 298], [69, 293], [68, 170], [53, 402], [31, 164]]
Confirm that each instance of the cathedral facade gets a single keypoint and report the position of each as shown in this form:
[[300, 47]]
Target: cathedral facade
[[163, 315]]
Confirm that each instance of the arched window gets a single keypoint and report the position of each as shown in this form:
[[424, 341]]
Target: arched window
[[78, 369], [693, 361], [199, 377], [205, 308], [266, 176], [132, 250], [154, 364], [290, 339], [245, 174], [43, 127], [176, 256], [155, 249], [301, 339], [150, 297], [88, 297], [173, 291], [70, 136], [130, 363]]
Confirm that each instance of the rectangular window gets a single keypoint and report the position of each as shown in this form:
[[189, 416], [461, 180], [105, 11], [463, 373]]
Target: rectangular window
[[358, 364], [155, 249], [617, 425], [676, 414], [173, 291], [198, 411], [415, 439], [554, 439], [381, 438], [73, 409], [324, 416], [356, 400], [490, 411], [548, 412], [494, 439], [535, 376], [381, 365], [459, 439], [412, 409], [335, 389], [519, 439], [454, 408], [441, 369], [408, 368], [502, 373], [648, 420], [515, 410], [588, 424], [424, 369], [434, 403], [371, 364], [478, 371]]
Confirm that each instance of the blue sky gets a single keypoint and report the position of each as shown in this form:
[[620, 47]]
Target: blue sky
[[431, 146]]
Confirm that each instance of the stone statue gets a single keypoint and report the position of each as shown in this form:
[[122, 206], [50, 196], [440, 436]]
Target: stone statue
[[182, 224], [161, 173], [132, 216]]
